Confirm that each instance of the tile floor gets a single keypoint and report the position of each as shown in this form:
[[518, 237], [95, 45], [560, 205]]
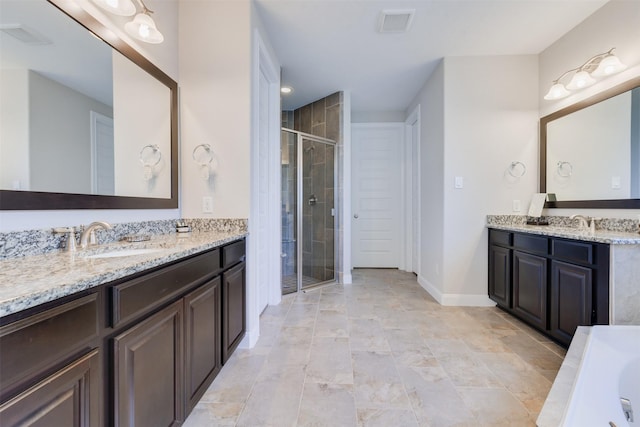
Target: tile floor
[[382, 352]]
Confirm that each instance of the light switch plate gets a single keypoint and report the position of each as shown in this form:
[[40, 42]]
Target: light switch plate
[[616, 182], [458, 182], [516, 205]]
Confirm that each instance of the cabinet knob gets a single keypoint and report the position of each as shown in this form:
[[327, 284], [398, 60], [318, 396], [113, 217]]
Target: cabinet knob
[[355, 216]]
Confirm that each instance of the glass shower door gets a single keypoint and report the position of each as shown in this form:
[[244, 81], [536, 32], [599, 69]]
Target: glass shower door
[[289, 209], [308, 210], [317, 199]]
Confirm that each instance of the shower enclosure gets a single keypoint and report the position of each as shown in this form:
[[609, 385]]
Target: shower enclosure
[[308, 210]]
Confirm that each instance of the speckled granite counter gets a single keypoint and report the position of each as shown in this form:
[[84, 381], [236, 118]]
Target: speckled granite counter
[[613, 237], [557, 400], [32, 280]]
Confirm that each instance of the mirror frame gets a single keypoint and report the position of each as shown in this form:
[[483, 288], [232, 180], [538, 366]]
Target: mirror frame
[[584, 204], [36, 200]]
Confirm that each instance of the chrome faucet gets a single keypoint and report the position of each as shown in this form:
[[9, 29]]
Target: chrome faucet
[[88, 236], [583, 221]]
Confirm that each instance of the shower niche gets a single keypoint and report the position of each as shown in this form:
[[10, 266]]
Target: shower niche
[[308, 210]]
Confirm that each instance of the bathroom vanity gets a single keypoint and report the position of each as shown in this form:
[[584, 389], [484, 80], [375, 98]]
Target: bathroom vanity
[[137, 350], [558, 278], [551, 283]]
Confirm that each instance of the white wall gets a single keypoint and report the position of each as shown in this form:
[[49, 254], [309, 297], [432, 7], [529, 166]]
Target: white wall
[[377, 116], [165, 56], [14, 132], [477, 118], [616, 24], [215, 104], [140, 119], [59, 136]]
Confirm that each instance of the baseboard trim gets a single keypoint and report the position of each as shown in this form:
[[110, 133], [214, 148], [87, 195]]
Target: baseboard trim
[[455, 300], [250, 338]]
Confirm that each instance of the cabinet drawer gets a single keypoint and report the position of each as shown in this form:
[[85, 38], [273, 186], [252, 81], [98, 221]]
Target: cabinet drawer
[[497, 237], [529, 243], [31, 346], [138, 296], [572, 251], [233, 253]]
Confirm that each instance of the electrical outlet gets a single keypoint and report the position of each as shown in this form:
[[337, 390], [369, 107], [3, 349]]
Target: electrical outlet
[[207, 204], [516, 206]]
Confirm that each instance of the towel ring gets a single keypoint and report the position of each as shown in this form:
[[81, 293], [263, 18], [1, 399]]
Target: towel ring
[[514, 166], [150, 150], [202, 154], [565, 169], [150, 156]]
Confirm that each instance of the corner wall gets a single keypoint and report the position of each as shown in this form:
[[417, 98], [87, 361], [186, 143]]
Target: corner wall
[[215, 105], [477, 118]]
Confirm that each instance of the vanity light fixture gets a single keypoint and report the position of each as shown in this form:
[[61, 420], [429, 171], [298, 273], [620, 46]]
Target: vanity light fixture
[[600, 65], [117, 7], [142, 27]]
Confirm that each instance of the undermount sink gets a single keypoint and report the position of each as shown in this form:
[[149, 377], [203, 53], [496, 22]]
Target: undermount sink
[[124, 252]]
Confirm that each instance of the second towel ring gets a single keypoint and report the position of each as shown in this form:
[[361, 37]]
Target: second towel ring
[[513, 169], [150, 150], [565, 169], [202, 154]]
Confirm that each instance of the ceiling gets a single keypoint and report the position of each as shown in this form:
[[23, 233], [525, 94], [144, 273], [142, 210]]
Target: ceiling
[[330, 45]]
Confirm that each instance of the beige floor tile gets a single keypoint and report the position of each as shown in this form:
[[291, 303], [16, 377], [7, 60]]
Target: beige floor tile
[[332, 323], [368, 417], [331, 405], [367, 335], [376, 381], [301, 315], [495, 407], [214, 414], [330, 362], [465, 371]]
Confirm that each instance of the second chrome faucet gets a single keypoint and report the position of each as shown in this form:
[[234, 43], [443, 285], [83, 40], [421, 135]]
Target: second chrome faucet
[[88, 236]]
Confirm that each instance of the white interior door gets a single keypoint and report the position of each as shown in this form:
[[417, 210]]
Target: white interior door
[[376, 184], [102, 154]]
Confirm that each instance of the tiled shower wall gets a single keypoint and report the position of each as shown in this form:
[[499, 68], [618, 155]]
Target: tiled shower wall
[[321, 118]]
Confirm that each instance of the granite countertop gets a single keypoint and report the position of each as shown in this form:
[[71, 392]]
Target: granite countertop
[[600, 236], [557, 400], [33, 280]]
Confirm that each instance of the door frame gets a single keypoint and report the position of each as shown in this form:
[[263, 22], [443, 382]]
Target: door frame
[[263, 62], [412, 192]]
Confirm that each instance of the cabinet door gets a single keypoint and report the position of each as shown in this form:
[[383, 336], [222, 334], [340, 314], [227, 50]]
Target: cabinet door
[[68, 398], [148, 371], [500, 275], [233, 309], [203, 358], [530, 288], [571, 299]]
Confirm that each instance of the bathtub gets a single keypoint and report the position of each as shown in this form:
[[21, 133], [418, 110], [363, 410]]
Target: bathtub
[[609, 371]]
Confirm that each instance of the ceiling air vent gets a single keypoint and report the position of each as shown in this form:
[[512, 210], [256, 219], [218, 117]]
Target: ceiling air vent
[[395, 21], [24, 34]]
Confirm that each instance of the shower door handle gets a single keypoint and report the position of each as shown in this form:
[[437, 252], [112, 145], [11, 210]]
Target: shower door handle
[[356, 216]]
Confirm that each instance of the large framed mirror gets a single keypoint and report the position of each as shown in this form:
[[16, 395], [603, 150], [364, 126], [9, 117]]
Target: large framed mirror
[[86, 122], [590, 151]]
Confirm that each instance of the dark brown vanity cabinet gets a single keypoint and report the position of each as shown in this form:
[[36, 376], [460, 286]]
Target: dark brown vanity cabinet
[[140, 351], [234, 299], [551, 283], [147, 368]]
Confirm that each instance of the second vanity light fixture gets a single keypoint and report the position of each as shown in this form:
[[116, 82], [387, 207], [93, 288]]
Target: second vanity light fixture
[[600, 65], [142, 27]]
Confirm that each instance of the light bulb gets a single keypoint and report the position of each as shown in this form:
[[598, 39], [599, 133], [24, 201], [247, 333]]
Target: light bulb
[[144, 31], [609, 65], [557, 91], [580, 80], [112, 3]]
